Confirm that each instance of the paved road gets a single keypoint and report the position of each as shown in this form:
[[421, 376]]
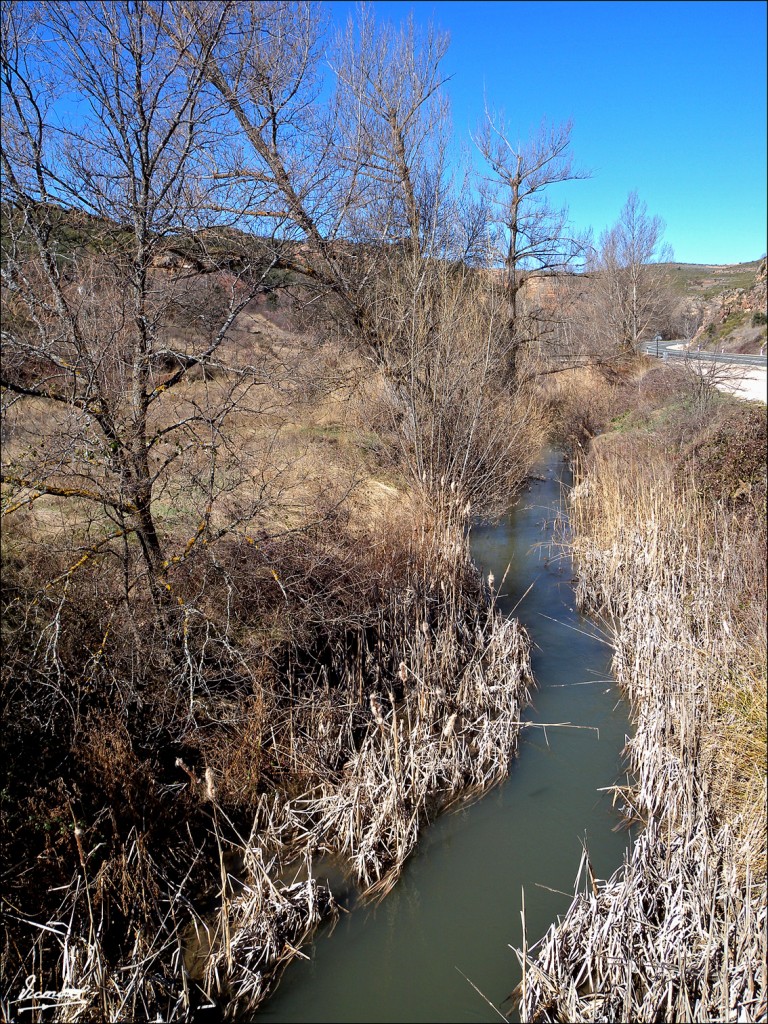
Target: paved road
[[676, 350]]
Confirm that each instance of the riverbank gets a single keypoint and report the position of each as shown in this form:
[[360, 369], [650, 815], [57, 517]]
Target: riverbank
[[276, 650], [669, 535], [398, 692], [444, 931]]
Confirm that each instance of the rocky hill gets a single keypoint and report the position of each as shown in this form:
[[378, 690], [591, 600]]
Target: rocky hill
[[729, 304]]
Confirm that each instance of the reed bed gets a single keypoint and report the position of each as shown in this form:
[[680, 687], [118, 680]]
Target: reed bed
[[449, 732], [447, 676], [232, 958], [679, 932], [363, 731]]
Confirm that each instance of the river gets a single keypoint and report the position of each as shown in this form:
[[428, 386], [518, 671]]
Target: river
[[449, 923]]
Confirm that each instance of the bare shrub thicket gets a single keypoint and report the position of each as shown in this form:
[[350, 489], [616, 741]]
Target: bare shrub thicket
[[448, 404]]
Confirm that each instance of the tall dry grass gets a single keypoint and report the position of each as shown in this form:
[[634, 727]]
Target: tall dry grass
[[683, 580], [678, 933]]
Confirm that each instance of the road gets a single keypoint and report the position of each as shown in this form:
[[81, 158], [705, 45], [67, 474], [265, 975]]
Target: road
[[676, 349], [745, 376]]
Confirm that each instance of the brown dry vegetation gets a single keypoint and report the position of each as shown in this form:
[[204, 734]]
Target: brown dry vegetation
[[326, 672], [670, 535], [259, 370]]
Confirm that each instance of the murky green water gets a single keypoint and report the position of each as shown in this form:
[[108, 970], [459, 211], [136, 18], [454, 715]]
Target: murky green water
[[456, 910]]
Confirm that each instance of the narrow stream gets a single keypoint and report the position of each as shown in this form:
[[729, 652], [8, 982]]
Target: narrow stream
[[456, 911]]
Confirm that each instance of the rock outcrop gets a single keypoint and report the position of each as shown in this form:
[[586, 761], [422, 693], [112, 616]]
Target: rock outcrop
[[731, 303]]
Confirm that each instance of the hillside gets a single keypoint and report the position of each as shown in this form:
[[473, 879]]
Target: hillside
[[724, 306], [708, 280]]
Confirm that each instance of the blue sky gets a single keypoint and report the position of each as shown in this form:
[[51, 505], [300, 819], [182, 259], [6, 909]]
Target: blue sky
[[668, 98]]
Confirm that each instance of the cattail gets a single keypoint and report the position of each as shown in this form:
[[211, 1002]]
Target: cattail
[[78, 840], [210, 786], [402, 672], [190, 773], [449, 726], [376, 712]]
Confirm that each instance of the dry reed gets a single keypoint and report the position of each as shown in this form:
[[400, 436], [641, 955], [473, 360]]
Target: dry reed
[[679, 932], [411, 702]]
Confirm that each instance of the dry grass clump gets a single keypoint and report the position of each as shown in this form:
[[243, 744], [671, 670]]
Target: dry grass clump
[[582, 402], [679, 932], [242, 954]]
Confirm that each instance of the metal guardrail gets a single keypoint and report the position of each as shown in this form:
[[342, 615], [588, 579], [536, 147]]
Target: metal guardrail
[[662, 350]]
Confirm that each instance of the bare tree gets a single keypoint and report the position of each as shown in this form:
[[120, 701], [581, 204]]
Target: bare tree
[[284, 166], [91, 198], [352, 181], [533, 237], [436, 326], [395, 119], [633, 298]]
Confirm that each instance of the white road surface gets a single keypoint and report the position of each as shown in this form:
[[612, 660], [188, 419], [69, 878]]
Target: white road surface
[[749, 382]]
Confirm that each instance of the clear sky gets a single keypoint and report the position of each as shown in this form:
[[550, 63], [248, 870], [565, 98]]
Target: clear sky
[[668, 98]]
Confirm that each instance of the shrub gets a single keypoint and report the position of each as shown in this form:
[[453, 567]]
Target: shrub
[[729, 458]]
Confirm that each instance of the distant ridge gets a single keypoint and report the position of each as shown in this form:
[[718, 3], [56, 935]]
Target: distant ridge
[[707, 280]]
